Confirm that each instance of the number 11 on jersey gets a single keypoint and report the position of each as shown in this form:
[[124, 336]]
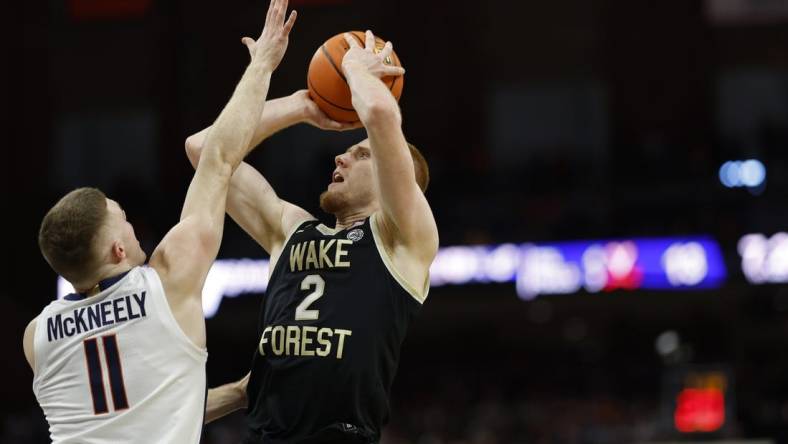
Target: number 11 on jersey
[[96, 374]]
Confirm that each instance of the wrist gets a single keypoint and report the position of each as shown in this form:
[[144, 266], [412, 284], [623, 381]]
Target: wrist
[[298, 110], [240, 396], [261, 64], [278, 114]]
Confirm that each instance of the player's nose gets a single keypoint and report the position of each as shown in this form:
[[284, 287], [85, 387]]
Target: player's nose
[[340, 161]]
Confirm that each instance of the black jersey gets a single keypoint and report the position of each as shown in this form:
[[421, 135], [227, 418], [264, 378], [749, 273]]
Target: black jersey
[[331, 325]]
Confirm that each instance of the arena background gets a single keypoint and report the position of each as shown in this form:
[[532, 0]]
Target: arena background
[[577, 132]]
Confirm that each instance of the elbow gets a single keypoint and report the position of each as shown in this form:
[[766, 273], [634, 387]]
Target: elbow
[[193, 150], [217, 160]]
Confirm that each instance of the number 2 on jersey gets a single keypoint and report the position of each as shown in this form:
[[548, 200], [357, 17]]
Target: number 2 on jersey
[[96, 374], [302, 312]]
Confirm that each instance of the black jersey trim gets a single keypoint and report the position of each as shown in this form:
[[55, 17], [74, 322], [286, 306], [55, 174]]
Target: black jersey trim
[[419, 296], [102, 285]]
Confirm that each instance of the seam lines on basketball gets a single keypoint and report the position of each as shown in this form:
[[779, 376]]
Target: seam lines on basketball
[[331, 61], [309, 81], [360, 40], [342, 76]]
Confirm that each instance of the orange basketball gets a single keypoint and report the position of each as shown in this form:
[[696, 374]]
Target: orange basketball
[[327, 84]]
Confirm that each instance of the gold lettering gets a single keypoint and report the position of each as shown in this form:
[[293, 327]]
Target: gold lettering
[[338, 262], [324, 259], [264, 340], [341, 345], [311, 256], [297, 256], [278, 344], [306, 340], [324, 342], [292, 338]]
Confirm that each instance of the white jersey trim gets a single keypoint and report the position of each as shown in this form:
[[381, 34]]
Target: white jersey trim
[[419, 296]]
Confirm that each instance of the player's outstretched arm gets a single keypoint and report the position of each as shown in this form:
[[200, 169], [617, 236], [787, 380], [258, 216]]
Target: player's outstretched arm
[[251, 201], [404, 207], [186, 253], [226, 399]]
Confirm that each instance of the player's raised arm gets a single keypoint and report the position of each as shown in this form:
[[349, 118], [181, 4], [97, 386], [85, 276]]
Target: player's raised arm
[[251, 200], [404, 207], [186, 253]]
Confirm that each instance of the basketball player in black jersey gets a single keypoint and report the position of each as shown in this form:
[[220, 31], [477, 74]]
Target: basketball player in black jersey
[[339, 299]]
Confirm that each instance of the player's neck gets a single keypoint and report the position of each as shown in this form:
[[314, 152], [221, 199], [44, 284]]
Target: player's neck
[[91, 286], [352, 216]]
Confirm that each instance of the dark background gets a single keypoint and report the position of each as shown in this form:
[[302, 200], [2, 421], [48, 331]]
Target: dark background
[[542, 121]]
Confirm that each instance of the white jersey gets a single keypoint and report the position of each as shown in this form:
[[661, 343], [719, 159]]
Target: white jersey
[[117, 368]]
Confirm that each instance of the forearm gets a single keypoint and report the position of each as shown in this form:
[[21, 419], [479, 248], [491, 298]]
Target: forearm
[[371, 99], [379, 112], [277, 115], [224, 400], [232, 132]]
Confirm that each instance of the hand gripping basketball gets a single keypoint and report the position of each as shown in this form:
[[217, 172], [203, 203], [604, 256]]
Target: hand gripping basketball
[[326, 78], [377, 62]]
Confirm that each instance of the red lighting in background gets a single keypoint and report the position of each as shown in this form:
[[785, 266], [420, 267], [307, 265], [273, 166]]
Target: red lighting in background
[[622, 268], [699, 410], [108, 9]]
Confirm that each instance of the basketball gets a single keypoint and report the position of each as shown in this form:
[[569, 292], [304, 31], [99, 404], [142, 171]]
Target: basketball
[[327, 84]]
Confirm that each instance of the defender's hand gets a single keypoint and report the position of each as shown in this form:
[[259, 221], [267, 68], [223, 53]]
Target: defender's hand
[[313, 115], [367, 58], [271, 46]]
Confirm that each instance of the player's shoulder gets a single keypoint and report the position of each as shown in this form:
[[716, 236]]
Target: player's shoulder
[[30, 330], [387, 233], [181, 237], [408, 266], [292, 229], [28, 342], [293, 217], [54, 305]]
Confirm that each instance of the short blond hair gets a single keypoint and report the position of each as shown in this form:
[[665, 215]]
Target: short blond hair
[[67, 237]]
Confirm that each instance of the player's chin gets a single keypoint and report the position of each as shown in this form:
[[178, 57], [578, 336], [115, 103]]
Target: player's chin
[[331, 200], [326, 196]]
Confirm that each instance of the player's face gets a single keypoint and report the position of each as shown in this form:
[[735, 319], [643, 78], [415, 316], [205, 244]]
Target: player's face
[[352, 181], [120, 230]]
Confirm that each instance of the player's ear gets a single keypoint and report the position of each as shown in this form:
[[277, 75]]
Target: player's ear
[[118, 251]]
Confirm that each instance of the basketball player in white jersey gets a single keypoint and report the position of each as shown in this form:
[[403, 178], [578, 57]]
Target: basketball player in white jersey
[[123, 359]]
